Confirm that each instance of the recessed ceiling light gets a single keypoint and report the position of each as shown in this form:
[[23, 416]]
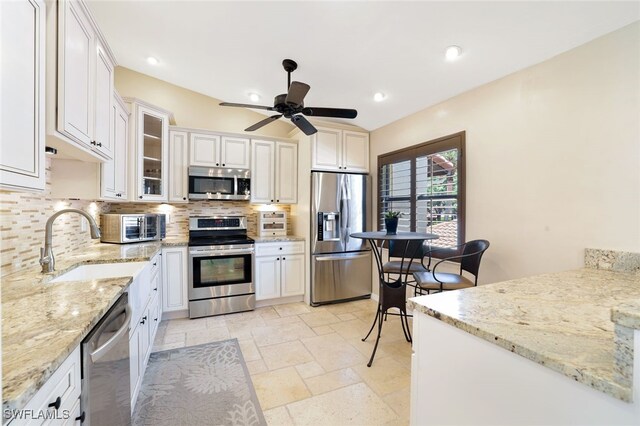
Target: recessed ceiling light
[[453, 52], [152, 60], [379, 97], [254, 97]]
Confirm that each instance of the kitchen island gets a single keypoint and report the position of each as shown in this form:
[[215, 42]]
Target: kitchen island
[[551, 349]]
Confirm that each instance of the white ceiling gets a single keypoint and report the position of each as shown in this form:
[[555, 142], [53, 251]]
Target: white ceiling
[[347, 51]]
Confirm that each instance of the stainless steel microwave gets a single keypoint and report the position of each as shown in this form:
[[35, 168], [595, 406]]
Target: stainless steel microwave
[[132, 228], [207, 183]]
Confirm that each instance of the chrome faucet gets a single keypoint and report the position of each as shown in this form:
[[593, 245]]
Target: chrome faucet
[[47, 260]]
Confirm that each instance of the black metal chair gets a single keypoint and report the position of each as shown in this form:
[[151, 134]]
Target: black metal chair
[[433, 281], [414, 254]]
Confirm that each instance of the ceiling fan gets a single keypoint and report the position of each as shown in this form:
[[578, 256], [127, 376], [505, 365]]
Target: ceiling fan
[[291, 105]]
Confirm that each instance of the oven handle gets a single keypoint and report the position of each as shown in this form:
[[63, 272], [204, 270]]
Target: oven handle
[[208, 252]]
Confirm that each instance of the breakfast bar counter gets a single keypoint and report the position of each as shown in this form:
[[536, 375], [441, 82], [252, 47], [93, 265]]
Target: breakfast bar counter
[[579, 323]]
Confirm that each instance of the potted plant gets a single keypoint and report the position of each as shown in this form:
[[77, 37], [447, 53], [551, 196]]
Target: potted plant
[[391, 222]]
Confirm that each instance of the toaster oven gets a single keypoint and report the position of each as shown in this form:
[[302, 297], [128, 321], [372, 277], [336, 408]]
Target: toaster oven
[[132, 228]]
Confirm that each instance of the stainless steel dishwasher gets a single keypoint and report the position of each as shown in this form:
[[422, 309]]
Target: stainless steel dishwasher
[[106, 395]]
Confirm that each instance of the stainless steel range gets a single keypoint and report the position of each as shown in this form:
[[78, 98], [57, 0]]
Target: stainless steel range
[[220, 266]]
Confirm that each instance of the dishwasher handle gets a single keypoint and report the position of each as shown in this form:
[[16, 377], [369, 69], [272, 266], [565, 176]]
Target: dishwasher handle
[[102, 350]]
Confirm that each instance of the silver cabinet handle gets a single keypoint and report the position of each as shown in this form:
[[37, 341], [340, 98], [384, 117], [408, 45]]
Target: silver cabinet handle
[[102, 350]]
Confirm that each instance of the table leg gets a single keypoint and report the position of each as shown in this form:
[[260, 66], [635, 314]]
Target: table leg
[[374, 323], [375, 347]]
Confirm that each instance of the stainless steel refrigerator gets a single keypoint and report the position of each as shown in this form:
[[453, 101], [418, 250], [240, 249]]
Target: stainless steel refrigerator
[[340, 265]]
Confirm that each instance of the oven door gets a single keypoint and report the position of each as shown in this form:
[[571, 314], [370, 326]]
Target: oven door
[[132, 229], [220, 272]]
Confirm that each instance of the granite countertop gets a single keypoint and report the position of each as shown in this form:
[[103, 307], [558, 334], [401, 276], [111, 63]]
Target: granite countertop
[[175, 241], [42, 322], [277, 239], [560, 320]]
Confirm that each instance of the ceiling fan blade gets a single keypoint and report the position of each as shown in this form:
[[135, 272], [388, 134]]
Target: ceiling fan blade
[[263, 123], [297, 92], [330, 112], [303, 124], [231, 104]]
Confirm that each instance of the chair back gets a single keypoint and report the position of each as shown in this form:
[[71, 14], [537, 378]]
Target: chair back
[[471, 264], [415, 250]]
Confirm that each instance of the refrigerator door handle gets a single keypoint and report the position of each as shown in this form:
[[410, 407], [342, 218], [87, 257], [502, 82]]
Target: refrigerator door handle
[[343, 257]]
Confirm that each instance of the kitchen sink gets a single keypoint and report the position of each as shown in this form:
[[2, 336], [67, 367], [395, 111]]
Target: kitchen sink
[[102, 270]]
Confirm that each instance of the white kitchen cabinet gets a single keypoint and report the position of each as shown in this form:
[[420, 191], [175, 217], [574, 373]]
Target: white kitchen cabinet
[[81, 79], [135, 367], [22, 88], [212, 150], [114, 173], [274, 171], [174, 279], [205, 150], [280, 270], [178, 167], [64, 383], [340, 150], [149, 152]]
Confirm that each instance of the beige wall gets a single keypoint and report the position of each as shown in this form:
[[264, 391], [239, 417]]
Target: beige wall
[[552, 156], [193, 109]]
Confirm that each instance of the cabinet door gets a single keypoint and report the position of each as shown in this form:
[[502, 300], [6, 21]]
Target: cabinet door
[[103, 109], [120, 149], [178, 167], [22, 29], [76, 59], [292, 278], [114, 172], [134, 362], [174, 279], [355, 151], [205, 150], [235, 153], [326, 151], [154, 317], [262, 171], [286, 173], [152, 150], [267, 277]]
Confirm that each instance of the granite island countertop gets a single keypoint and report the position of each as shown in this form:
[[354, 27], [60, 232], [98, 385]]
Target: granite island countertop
[[560, 320], [42, 322], [278, 239]]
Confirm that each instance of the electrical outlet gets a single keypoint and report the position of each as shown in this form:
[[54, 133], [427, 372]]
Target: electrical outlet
[[84, 223]]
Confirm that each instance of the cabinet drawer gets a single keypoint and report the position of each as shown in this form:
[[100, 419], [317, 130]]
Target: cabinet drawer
[[155, 264], [272, 249], [63, 384]]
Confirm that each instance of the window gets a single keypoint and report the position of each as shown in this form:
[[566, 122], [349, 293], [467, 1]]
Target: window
[[426, 183]]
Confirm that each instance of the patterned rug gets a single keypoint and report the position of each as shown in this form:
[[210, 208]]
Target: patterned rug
[[198, 385]]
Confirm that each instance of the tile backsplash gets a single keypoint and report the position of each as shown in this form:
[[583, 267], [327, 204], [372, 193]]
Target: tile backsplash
[[23, 216]]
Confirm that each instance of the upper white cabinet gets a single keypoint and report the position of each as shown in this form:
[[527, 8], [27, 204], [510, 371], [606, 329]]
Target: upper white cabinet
[[80, 76], [114, 173], [149, 152], [274, 171], [22, 30], [212, 150], [340, 150], [178, 167]]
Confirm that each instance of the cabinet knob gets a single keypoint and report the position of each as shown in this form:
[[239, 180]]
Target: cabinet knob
[[277, 201], [277, 258], [155, 319], [140, 197], [184, 198], [99, 144], [280, 248], [284, 258], [223, 164], [57, 403], [81, 418], [155, 263], [92, 142], [155, 289], [272, 201], [217, 164]]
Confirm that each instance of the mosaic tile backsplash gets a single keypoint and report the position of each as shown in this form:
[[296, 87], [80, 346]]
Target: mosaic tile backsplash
[[23, 216]]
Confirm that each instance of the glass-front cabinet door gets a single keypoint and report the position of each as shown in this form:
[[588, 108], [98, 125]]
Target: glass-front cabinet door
[[152, 154]]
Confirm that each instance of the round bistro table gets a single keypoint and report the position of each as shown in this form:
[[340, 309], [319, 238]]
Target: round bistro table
[[393, 293]]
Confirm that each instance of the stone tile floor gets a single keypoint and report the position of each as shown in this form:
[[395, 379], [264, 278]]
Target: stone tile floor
[[309, 365]]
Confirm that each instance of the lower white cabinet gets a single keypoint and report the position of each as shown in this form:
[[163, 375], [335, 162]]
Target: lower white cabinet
[[174, 279], [279, 270], [62, 389], [144, 322]]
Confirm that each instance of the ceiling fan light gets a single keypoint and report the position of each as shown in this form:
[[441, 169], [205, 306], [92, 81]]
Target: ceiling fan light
[[254, 97], [379, 97], [453, 52]]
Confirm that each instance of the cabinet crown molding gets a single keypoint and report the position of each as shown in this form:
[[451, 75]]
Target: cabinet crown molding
[[138, 101]]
